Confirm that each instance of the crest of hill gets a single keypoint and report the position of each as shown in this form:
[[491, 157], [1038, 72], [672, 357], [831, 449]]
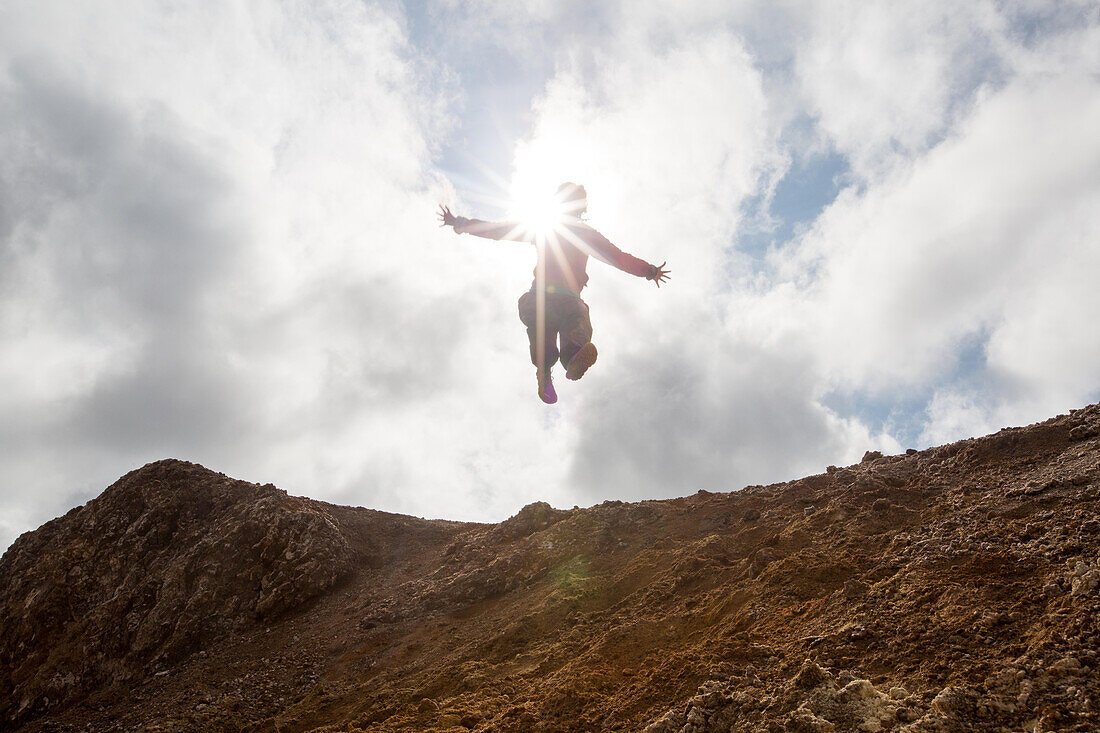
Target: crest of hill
[[956, 588], [168, 559]]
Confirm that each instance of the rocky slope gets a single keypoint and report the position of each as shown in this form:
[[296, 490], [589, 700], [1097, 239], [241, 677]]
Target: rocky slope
[[952, 589]]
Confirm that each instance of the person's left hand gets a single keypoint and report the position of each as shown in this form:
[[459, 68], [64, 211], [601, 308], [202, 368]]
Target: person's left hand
[[446, 218], [660, 275]]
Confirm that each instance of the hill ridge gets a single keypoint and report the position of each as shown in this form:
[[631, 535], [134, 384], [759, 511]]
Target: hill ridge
[[954, 588]]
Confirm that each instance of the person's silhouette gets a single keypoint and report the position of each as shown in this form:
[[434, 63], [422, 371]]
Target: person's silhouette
[[552, 309]]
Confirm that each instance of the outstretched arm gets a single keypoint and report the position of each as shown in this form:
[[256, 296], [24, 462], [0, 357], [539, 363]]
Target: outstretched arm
[[479, 228], [612, 255]]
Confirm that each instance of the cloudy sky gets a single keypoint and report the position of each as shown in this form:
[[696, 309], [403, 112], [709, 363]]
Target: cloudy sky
[[217, 240]]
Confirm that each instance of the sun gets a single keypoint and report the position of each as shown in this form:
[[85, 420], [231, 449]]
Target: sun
[[540, 165], [537, 209], [552, 175]]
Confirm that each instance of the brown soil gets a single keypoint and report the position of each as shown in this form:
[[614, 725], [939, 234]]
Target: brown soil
[[953, 589]]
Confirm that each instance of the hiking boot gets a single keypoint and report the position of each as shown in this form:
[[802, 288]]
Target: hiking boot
[[580, 362], [546, 387]]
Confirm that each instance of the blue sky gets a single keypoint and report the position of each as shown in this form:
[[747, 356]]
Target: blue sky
[[217, 241]]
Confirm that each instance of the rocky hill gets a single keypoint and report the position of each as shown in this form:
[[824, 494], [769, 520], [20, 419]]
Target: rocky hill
[[952, 589]]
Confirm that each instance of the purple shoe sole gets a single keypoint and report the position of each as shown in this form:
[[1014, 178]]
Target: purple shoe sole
[[547, 393]]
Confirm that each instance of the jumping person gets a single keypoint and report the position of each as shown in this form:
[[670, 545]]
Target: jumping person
[[553, 308]]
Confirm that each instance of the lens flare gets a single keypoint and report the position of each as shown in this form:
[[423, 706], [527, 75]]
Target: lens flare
[[538, 210]]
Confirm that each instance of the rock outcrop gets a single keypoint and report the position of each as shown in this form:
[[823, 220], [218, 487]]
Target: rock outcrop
[[168, 559]]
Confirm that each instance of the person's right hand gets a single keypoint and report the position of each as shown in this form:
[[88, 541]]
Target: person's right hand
[[659, 274], [446, 218]]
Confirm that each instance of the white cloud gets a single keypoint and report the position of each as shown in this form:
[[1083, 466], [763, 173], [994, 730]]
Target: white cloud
[[947, 239], [976, 238], [671, 130], [218, 244], [216, 241], [887, 80], [668, 141], [697, 407], [986, 238]]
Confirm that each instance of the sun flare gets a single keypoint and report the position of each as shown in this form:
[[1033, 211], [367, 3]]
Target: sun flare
[[539, 211], [533, 197], [540, 166]]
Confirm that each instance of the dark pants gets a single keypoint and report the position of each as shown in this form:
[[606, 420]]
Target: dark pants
[[565, 316]]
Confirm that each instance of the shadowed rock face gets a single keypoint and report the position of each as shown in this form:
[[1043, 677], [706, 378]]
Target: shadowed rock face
[[951, 589], [169, 558]]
